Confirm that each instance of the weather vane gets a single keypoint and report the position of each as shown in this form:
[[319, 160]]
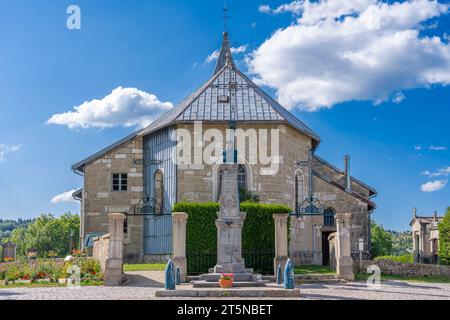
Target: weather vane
[[225, 16]]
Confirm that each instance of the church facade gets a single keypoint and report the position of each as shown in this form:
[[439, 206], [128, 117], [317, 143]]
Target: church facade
[[150, 167]]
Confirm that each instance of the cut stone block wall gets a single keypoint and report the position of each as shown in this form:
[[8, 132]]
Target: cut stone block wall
[[101, 249], [406, 269], [99, 199]]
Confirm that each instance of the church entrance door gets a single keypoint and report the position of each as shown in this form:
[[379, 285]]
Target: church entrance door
[[326, 248]]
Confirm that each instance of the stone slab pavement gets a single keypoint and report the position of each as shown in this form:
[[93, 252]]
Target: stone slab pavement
[[142, 286]]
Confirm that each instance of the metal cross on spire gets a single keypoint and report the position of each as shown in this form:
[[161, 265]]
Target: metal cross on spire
[[311, 206], [225, 16]]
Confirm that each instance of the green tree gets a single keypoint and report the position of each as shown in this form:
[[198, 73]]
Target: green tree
[[444, 239], [382, 241], [48, 233]]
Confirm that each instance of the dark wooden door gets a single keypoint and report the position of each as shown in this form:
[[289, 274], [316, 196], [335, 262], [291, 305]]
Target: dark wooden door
[[325, 249]]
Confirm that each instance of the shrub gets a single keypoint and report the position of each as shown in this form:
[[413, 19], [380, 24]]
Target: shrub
[[258, 232], [444, 239], [407, 258]]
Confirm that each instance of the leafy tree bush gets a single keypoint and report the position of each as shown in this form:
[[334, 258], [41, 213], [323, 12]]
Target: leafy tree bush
[[407, 258], [258, 232], [444, 239], [382, 241], [47, 233]]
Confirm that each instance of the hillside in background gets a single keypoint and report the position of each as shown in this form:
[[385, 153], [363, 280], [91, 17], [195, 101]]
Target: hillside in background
[[7, 226], [402, 242]]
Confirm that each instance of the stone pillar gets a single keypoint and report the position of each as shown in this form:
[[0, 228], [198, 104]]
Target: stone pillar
[[281, 240], [114, 263], [229, 227], [179, 242], [344, 261]]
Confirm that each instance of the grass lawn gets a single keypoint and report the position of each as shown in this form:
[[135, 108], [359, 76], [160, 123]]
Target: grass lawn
[[313, 270], [425, 279], [144, 267]]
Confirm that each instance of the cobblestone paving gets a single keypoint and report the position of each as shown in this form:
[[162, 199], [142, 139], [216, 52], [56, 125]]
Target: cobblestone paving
[[142, 286]]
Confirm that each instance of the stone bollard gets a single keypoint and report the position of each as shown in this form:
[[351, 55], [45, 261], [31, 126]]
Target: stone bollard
[[179, 242], [279, 275], [178, 277], [281, 240], [289, 277], [114, 262], [169, 276]]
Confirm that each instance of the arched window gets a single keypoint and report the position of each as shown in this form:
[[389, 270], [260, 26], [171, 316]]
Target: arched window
[[159, 192], [242, 178], [328, 217], [299, 189]]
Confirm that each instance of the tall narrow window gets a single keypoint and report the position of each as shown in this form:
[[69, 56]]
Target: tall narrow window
[[120, 182], [159, 192], [329, 217], [299, 189], [242, 178]]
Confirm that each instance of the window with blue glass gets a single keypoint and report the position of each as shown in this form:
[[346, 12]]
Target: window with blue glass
[[329, 217]]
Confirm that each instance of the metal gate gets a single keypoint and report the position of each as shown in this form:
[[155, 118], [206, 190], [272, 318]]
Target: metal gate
[[158, 234], [157, 228]]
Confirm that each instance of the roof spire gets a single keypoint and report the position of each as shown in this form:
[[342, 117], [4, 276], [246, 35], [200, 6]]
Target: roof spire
[[225, 16], [225, 55]]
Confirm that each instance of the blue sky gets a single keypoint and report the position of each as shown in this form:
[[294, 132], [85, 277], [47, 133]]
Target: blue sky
[[161, 47]]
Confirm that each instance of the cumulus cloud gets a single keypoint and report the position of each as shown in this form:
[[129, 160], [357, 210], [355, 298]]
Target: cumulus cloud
[[236, 50], [5, 149], [344, 50], [433, 186], [64, 197], [126, 107]]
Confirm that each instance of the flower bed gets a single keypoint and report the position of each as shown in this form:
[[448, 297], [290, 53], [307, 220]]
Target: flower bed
[[49, 271]]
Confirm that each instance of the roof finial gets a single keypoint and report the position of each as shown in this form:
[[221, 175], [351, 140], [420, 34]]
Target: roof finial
[[225, 17]]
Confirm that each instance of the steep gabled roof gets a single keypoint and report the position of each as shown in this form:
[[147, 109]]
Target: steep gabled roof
[[243, 101], [229, 96]]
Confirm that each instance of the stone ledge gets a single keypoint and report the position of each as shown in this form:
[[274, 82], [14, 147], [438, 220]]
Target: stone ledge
[[274, 292]]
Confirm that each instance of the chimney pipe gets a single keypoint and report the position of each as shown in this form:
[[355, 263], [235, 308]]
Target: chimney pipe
[[348, 182]]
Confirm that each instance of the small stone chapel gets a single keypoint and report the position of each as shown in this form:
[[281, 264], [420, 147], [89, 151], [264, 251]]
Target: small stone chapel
[[141, 171]]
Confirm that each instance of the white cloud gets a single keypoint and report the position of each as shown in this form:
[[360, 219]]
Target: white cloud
[[344, 50], [398, 98], [122, 107], [437, 148], [417, 148], [215, 55], [64, 197], [443, 172], [295, 7], [433, 186], [5, 149]]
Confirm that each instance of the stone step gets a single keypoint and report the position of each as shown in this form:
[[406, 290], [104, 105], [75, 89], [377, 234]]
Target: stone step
[[189, 279], [229, 293], [238, 277], [311, 278], [248, 284]]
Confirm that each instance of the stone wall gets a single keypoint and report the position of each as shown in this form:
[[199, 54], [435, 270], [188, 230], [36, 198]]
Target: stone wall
[[99, 199], [101, 250], [405, 269], [199, 183]]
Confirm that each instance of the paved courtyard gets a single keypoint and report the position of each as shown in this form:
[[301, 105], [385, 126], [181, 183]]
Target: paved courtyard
[[142, 286]]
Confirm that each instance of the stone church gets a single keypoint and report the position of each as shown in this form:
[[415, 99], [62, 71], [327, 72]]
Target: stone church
[[141, 174]]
